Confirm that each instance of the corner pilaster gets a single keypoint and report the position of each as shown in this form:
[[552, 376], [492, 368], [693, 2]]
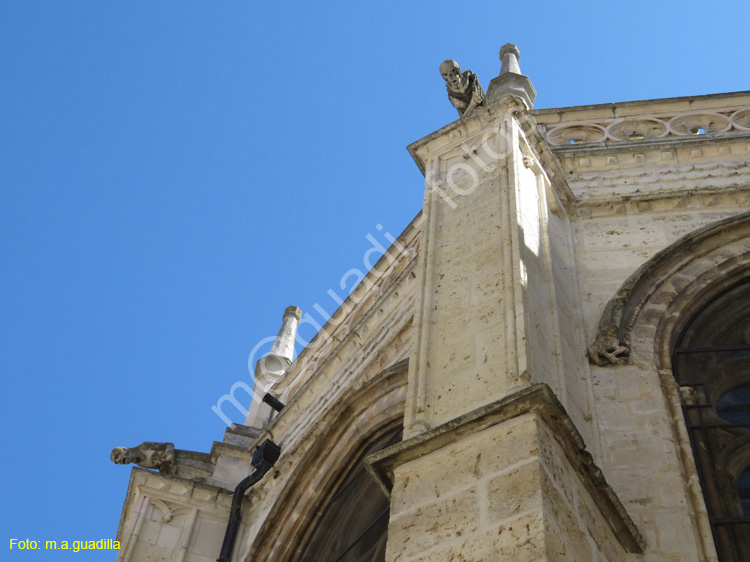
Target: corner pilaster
[[483, 212], [510, 481], [494, 306]]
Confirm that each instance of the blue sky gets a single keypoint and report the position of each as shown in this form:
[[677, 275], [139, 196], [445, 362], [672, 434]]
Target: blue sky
[[174, 174]]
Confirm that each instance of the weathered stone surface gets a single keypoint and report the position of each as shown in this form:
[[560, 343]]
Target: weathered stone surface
[[412, 532], [159, 456], [546, 477]]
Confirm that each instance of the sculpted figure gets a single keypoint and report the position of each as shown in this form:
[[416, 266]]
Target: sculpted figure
[[464, 90], [608, 348], [608, 351], [159, 456]]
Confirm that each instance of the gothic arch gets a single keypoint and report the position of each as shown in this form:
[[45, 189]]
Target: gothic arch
[[641, 322], [367, 414], [711, 365], [655, 310]]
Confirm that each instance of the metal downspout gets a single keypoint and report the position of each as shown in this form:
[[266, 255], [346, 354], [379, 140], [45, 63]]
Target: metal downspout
[[264, 458]]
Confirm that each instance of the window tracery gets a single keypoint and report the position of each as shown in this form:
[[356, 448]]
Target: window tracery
[[711, 362], [354, 523]]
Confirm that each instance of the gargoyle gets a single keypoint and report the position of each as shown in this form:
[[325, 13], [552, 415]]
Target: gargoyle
[[464, 90], [158, 456]]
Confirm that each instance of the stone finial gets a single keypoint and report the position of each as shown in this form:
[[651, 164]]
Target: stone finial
[[509, 57], [159, 456], [292, 311], [270, 369], [275, 364], [511, 82], [464, 90], [284, 344]]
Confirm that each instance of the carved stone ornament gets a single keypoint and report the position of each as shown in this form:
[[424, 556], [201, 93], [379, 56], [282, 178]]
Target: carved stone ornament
[[649, 127], [607, 348], [464, 90], [158, 456]]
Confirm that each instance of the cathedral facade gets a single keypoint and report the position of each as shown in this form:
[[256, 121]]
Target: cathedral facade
[[551, 362]]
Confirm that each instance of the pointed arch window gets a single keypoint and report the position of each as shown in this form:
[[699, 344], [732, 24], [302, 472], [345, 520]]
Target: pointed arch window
[[353, 524], [711, 362]]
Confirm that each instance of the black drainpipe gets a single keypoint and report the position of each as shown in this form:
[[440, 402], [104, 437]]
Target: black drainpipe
[[264, 457]]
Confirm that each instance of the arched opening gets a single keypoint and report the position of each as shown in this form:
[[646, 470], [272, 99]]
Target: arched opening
[[684, 314], [641, 322], [327, 492], [711, 363], [354, 524]]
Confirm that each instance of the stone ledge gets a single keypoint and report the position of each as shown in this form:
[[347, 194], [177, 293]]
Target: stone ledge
[[241, 435], [537, 398], [648, 145]]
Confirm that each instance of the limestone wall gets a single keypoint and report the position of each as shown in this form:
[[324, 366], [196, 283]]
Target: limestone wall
[[498, 304], [613, 240], [641, 460], [577, 396], [507, 482], [633, 198]]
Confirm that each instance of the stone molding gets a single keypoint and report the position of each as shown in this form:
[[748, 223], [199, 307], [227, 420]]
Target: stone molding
[[645, 296], [483, 121], [467, 136], [674, 200], [712, 168], [533, 398]]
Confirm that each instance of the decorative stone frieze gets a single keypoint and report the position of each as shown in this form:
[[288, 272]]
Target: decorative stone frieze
[[605, 125], [645, 128]]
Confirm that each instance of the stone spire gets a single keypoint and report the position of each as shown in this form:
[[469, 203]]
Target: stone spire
[[284, 344], [511, 82], [273, 366], [509, 56], [270, 369]]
